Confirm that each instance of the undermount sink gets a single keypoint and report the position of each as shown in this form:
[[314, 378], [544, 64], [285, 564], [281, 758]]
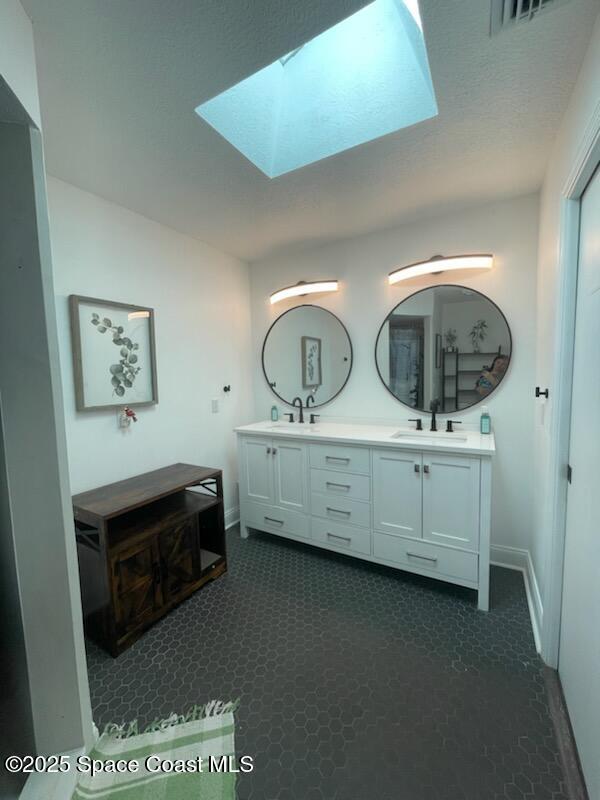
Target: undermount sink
[[294, 427], [419, 436]]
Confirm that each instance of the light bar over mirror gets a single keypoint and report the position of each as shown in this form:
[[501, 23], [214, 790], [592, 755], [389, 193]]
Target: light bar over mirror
[[441, 264], [302, 288]]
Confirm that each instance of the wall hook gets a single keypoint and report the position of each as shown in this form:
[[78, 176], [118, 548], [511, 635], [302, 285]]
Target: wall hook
[[540, 393]]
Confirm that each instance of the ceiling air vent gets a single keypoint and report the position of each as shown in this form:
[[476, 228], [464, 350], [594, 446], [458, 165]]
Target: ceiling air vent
[[509, 13]]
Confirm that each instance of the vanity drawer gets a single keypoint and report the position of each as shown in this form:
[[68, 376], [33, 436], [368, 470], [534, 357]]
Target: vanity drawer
[[277, 520], [341, 509], [340, 484], [341, 537], [410, 553], [346, 459]]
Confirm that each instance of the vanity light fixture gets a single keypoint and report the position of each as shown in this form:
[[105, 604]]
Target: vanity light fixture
[[438, 264], [302, 288]]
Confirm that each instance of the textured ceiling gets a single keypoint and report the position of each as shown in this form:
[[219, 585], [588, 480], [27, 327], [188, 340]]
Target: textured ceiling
[[119, 82]]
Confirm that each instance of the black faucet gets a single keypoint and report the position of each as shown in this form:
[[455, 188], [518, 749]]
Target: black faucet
[[434, 406], [300, 409]]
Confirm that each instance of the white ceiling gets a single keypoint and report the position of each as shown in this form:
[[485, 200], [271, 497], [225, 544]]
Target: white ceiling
[[119, 82]]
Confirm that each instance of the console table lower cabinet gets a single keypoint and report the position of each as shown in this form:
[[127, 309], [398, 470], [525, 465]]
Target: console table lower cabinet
[[144, 545]]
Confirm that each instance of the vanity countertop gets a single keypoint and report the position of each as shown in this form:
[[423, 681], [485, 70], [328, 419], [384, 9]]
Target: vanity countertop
[[468, 442]]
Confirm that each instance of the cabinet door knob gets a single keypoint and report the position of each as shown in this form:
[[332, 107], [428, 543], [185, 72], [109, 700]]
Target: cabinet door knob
[[274, 451], [426, 468], [268, 451], [417, 468]]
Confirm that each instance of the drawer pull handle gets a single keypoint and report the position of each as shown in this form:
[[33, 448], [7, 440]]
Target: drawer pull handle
[[423, 558], [276, 521], [337, 458], [344, 486], [343, 538], [339, 511]]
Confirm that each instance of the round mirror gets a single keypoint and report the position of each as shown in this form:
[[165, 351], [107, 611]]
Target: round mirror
[[446, 345], [307, 351]]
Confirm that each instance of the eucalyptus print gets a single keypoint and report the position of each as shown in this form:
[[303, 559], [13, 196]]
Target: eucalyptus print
[[122, 374]]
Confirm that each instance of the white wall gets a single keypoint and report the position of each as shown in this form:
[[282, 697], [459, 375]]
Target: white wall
[[509, 230], [202, 321], [17, 56], [462, 317], [571, 143]]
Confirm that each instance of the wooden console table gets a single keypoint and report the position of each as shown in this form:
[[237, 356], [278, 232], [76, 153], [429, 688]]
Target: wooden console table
[[144, 545]]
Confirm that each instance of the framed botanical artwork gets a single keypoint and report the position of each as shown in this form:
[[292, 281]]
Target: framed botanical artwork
[[114, 354], [311, 362]]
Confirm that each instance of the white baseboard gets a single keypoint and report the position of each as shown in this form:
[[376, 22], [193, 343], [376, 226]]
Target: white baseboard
[[517, 558], [53, 785], [232, 517]]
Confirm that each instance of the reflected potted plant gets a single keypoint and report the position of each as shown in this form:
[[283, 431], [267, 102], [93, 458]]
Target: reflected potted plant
[[450, 339], [477, 334]]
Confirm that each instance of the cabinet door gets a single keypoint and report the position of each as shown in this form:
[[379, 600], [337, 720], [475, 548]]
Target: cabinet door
[[397, 501], [136, 588], [256, 470], [291, 474], [451, 500], [180, 559]]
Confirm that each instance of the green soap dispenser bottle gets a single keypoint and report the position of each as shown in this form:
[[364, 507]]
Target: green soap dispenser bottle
[[485, 423], [274, 413]]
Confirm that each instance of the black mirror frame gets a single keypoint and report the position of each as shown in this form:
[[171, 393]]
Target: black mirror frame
[[439, 286], [262, 356]]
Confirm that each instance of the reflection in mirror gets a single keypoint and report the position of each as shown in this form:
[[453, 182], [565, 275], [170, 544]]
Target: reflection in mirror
[[307, 351], [445, 343]]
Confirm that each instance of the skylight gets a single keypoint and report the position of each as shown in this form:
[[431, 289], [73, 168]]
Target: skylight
[[364, 78]]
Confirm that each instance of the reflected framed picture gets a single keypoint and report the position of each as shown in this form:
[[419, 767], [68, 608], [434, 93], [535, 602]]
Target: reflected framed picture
[[114, 354], [438, 351], [311, 362]]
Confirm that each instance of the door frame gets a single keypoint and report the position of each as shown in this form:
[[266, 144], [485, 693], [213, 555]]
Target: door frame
[[585, 164]]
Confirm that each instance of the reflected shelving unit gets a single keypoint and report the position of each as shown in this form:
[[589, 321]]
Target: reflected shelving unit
[[459, 368]]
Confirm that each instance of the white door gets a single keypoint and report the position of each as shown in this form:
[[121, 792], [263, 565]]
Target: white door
[[579, 659], [397, 501], [291, 474], [256, 470], [451, 500]]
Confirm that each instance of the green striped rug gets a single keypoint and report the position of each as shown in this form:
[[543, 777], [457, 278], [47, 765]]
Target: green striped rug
[[180, 758]]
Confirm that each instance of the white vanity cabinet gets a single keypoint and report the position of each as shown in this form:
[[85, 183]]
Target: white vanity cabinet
[[273, 485], [425, 499], [424, 507], [397, 492], [451, 500]]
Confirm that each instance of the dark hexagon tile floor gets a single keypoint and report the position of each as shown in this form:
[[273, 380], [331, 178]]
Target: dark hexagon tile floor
[[356, 682]]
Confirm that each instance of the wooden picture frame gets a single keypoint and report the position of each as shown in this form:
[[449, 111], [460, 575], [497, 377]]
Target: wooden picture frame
[[120, 369], [312, 376]]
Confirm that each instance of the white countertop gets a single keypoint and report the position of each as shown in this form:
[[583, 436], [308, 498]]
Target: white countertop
[[468, 442]]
